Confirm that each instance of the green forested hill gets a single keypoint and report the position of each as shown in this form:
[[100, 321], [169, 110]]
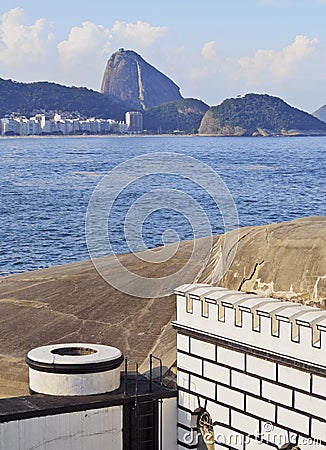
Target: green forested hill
[[183, 115], [256, 114], [30, 98]]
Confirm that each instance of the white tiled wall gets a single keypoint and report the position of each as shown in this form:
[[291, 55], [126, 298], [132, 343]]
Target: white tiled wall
[[94, 428], [260, 396]]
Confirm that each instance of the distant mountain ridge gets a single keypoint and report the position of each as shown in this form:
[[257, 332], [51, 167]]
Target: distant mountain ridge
[[131, 79], [320, 113], [259, 114], [31, 98]]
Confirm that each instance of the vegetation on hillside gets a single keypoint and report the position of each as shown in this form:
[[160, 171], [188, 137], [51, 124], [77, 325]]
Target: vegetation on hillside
[[182, 115], [248, 115], [256, 113], [31, 98]]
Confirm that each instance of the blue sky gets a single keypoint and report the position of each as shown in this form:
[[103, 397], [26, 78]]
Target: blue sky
[[212, 49]]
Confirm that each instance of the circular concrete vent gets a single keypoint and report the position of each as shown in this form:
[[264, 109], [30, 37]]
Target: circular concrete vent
[[74, 369]]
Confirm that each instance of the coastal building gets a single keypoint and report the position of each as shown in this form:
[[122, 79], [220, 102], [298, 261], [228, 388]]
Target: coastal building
[[9, 126], [251, 375], [45, 122], [57, 124], [24, 126], [123, 127], [34, 126], [134, 121]]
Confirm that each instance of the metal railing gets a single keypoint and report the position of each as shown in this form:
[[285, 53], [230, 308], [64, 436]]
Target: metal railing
[[151, 381], [151, 357]]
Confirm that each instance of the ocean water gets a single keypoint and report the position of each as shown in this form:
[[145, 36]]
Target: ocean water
[[47, 183]]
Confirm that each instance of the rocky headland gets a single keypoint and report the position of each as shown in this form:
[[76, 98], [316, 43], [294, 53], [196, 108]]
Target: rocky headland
[[259, 115], [131, 79]]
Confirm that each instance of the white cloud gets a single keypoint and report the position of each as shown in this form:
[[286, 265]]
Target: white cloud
[[90, 41], [209, 51], [275, 65], [29, 51], [87, 48], [199, 69], [22, 44], [85, 45], [137, 35]]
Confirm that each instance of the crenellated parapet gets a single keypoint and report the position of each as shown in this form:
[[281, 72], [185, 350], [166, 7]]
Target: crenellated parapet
[[285, 328]]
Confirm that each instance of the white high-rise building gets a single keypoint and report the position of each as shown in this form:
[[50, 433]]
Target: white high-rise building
[[134, 121], [9, 126]]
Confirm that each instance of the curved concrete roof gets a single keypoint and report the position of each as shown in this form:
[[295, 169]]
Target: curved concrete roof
[[72, 303]]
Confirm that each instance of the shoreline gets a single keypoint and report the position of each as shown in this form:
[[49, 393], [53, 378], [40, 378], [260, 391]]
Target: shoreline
[[128, 136], [83, 136]]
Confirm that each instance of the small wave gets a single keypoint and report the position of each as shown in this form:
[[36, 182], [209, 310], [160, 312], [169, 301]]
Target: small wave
[[88, 174]]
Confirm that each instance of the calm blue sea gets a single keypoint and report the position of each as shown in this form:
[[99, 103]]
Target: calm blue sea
[[47, 183]]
